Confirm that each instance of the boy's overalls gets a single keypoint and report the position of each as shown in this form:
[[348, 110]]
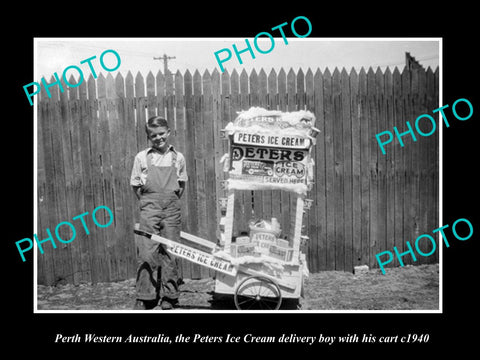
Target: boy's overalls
[[157, 273]]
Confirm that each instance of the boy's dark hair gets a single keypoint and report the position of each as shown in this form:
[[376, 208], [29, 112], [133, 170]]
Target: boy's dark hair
[[156, 121]]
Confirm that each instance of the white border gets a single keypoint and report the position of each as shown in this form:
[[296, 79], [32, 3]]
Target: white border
[[152, 312]]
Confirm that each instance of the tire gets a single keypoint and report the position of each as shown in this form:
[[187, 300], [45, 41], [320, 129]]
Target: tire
[[258, 293]]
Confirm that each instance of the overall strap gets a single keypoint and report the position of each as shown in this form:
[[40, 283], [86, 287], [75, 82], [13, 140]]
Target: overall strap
[[148, 156]]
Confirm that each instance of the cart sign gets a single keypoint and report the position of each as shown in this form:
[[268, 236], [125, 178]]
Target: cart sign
[[282, 141], [270, 165], [202, 258], [190, 253]]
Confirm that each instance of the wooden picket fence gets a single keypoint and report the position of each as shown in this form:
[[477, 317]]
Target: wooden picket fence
[[363, 202]]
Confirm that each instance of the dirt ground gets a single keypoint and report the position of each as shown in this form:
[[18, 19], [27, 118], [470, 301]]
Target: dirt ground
[[403, 288]]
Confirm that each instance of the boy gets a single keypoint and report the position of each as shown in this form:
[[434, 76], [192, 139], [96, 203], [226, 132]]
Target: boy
[[158, 179]]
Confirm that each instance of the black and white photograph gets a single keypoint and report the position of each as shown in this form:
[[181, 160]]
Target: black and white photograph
[[203, 182], [288, 182]]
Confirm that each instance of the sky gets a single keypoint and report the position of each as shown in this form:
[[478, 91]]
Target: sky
[[55, 54]]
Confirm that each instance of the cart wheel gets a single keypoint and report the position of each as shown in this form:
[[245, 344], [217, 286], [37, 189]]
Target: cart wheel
[[258, 293]]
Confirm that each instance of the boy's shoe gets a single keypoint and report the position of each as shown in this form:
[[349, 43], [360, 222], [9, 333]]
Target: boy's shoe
[[144, 304], [166, 305], [139, 305]]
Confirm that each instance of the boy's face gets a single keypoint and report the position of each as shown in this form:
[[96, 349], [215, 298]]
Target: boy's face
[[159, 137]]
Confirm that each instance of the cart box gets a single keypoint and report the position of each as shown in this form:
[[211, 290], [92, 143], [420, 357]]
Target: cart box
[[263, 246], [283, 243], [241, 240], [282, 253], [239, 250], [263, 236]]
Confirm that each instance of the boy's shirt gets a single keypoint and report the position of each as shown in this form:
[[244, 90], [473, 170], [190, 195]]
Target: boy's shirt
[[140, 170]]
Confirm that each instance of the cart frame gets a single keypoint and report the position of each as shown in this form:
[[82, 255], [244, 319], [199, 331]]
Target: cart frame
[[288, 282]]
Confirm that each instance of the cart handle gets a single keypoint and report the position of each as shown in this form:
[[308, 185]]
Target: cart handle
[[142, 233]]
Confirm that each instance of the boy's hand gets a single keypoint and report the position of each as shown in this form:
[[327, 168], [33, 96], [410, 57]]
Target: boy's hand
[[138, 191], [179, 192], [181, 189]]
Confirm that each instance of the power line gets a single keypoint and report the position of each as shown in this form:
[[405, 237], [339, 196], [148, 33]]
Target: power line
[[387, 64]]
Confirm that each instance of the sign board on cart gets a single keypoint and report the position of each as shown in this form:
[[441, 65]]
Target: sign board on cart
[[275, 140], [267, 152], [266, 166], [191, 254], [203, 258]]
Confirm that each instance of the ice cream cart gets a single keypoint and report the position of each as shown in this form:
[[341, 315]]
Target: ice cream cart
[[267, 150]]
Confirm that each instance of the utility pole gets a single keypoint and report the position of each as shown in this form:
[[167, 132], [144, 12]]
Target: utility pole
[[165, 59]]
